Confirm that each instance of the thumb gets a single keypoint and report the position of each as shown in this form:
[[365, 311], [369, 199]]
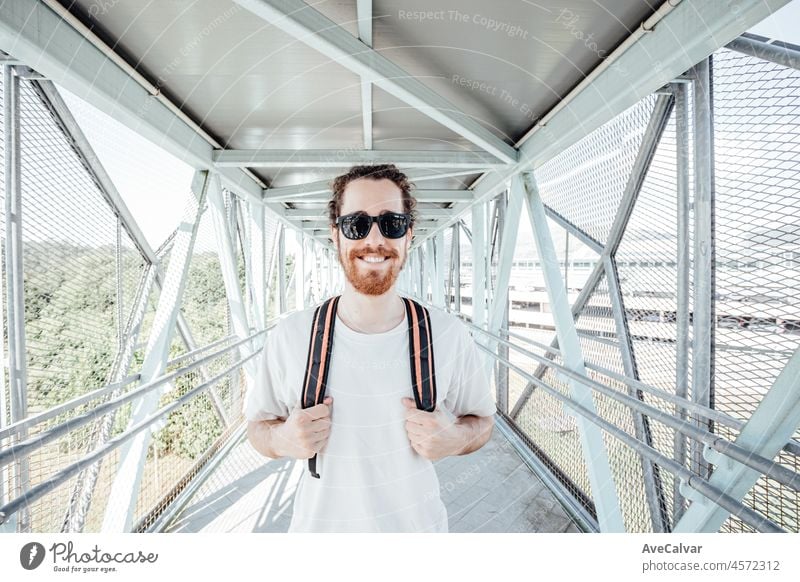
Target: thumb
[[327, 400], [408, 402]]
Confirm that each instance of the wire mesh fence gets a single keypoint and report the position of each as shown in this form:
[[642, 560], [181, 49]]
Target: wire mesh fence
[[756, 117], [757, 302], [90, 302]]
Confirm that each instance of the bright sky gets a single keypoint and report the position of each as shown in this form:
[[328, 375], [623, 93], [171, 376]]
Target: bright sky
[[155, 184]]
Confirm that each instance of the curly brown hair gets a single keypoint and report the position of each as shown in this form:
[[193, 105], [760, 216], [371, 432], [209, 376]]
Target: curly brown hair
[[373, 172]]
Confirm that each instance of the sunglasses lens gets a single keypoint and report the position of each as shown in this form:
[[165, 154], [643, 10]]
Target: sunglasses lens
[[356, 226], [393, 225]]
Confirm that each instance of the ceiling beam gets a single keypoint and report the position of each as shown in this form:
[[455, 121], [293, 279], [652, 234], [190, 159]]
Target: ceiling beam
[[364, 15], [322, 188], [318, 223], [312, 214], [344, 158], [440, 196], [298, 19]]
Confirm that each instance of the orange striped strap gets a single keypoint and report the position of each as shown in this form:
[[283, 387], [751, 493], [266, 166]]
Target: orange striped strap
[[420, 348], [319, 361]]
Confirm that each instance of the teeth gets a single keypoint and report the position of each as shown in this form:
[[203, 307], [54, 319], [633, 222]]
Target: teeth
[[371, 259]]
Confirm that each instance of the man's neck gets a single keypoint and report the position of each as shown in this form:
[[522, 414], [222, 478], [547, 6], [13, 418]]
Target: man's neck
[[370, 313]]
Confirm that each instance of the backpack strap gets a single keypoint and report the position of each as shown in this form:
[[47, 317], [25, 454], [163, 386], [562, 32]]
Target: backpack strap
[[420, 348], [319, 361], [320, 346]]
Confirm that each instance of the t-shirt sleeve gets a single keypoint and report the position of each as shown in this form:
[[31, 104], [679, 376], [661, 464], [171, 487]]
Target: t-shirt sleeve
[[471, 391], [264, 399]]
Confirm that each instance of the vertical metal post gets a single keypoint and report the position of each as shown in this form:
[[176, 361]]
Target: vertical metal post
[[17, 364], [508, 211], [125, 489], [331, 270], [479, 264], [601, 478], [437, 244], [421, 291], [702, 322], [682, 300], [427, 268], [457, 267], [230, 277], [299, 272], [281, 270], [120, 295], [566, 262], [257, 264]]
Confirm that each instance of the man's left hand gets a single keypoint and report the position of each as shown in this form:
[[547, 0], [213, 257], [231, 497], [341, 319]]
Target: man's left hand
[[433, 435]]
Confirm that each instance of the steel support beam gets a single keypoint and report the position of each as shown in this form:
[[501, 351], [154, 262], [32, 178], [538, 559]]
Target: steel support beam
[[508, 216], [257, 278], [15, 280], [479, 265], [404, 159], [320, 191], [509, 224], [299, 272], [424, 214], [604, 490], [364, 15], [309, 26], [771, 425], [125, 489], [644, 157], [428, 273], [281, 282], [456, 242], [653, 484], [233, 291], [702, 310], [437, 297], [682, 345], [775, 53], [578, 233]]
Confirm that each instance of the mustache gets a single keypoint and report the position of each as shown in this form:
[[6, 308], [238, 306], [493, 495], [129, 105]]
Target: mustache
[[358, 253]]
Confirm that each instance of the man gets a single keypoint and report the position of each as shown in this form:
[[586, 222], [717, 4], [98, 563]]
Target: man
[[374, 447]]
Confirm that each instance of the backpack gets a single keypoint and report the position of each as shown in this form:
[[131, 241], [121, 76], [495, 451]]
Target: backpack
[[423, 380]]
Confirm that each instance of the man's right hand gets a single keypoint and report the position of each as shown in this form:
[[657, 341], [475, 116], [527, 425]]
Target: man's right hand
[[305, 432]]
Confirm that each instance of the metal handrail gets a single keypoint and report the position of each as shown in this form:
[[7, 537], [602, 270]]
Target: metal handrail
[[740, 454], [26, 423], [189, 355], [724, 446], [702, 486], [62, 476], [791, 446], [26, 447]]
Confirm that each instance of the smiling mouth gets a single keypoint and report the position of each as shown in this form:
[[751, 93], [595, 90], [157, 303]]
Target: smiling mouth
[[373, 260]]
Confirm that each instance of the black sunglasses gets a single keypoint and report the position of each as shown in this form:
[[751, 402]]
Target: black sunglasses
[[357, 225]]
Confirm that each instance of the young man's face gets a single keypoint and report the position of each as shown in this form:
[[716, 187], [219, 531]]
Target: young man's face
[[373, 197]]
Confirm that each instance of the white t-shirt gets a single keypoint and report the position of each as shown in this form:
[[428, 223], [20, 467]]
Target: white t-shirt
[[371, 479]]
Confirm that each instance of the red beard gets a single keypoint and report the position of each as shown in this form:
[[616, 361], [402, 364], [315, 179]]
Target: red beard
[[367, 279]]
